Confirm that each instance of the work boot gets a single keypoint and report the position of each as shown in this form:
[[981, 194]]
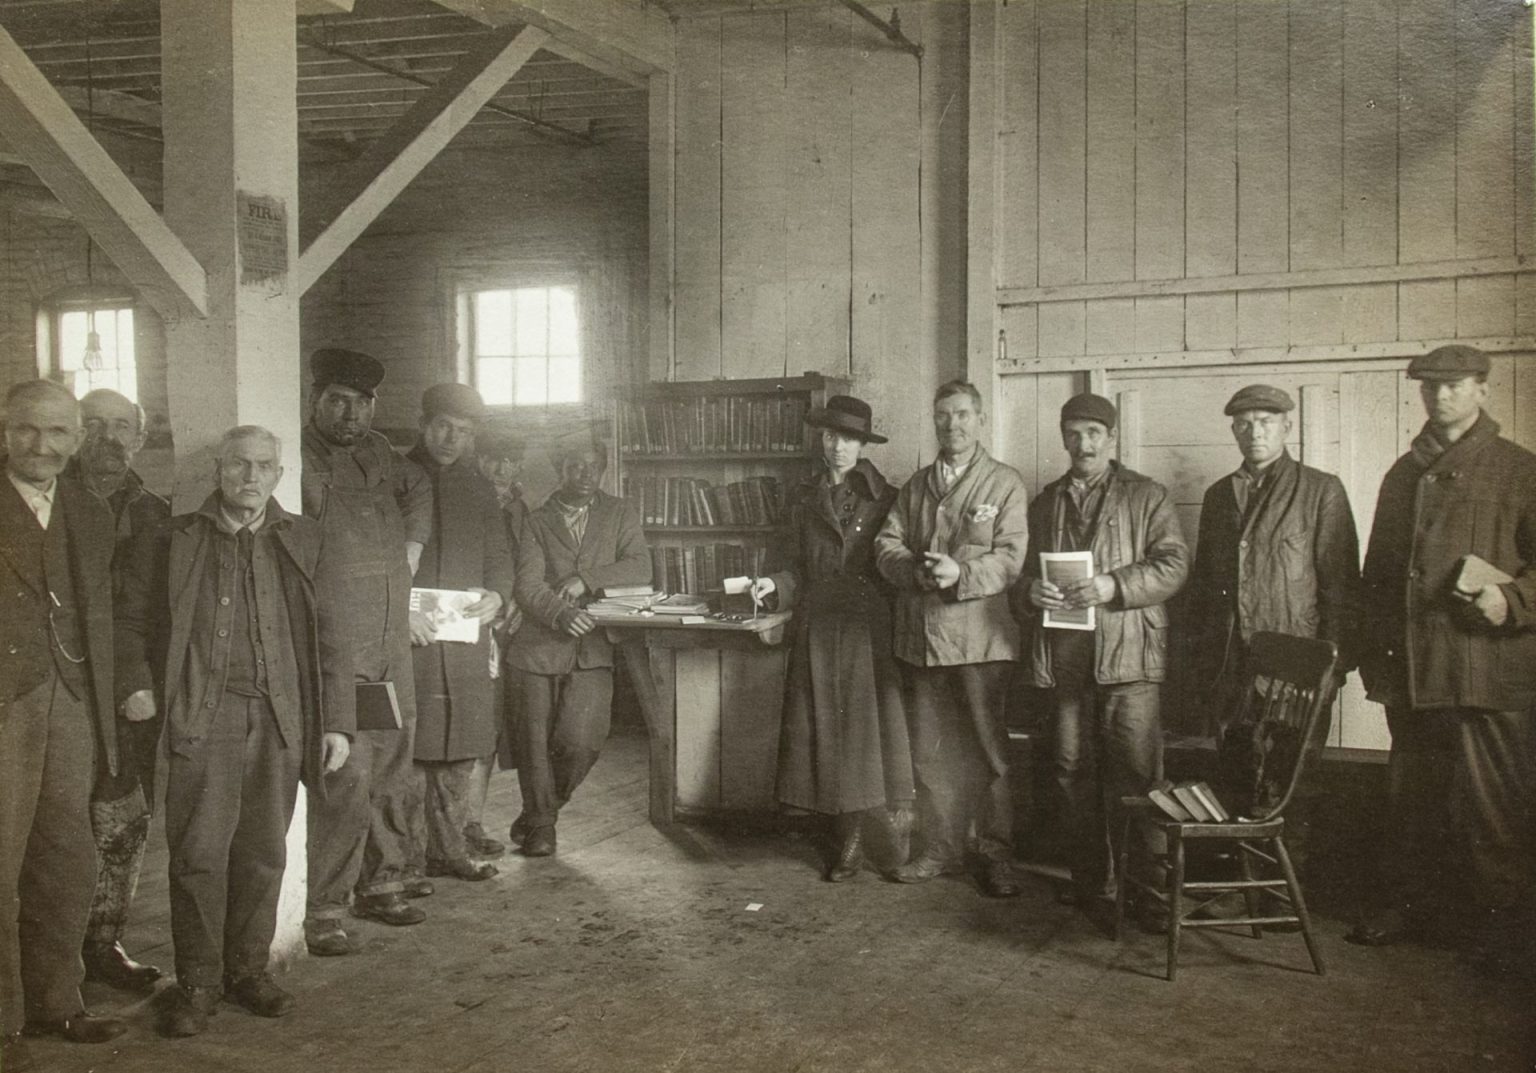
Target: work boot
[[850, 854], [480, 844], [391, 909], [260, 995], [540, 842], [109, 963], [186, 1010], [327, 938]]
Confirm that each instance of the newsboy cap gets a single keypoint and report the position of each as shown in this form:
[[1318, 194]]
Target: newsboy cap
[[1259, 397], [348, 368], [1450, 362], [1089, 407], [454, 400]]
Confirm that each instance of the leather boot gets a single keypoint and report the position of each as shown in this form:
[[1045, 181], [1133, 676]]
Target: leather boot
[[850, 854]]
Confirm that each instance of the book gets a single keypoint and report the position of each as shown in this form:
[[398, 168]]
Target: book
[[1060, 568], [444, 608], [1212, 805], [1162, 797], [378, 708], [1184, 791], [1474, 573]]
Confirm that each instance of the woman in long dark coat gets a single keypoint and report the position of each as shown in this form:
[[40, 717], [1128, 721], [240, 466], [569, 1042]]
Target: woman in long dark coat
[[843, 749]]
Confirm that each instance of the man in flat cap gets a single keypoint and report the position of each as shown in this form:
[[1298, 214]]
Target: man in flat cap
[[1277, 551], [952, 546], [376, 510], [580, 540], [467, 552], [1104, 682], [1449, 646]]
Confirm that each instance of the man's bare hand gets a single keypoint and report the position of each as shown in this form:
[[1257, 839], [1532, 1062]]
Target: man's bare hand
[[334, 750], [422, 631], [139, 707]]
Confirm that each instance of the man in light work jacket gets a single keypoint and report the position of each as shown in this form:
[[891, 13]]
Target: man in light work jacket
[[227, 620], [1455, 664], [120, 803], [952, 546], [1277, 552], [581, 540], [376, 510], [1104, 684]]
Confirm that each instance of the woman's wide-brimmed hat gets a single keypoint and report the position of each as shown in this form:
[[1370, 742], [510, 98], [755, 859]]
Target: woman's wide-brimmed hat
[[846, 414]]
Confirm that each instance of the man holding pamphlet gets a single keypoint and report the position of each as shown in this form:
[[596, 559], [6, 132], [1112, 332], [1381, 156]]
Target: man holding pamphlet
[[1105, 554], [1449, 646]]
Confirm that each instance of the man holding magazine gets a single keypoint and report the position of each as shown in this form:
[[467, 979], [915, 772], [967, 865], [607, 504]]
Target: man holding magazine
[[1103, 678]]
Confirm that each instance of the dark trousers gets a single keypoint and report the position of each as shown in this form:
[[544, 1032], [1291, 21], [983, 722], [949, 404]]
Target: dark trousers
[[1461, 786], [960, 757], [47, 858], [227, 810], [120, 812], [360, 830], [563, 722], [447, 807], [1108, 745]]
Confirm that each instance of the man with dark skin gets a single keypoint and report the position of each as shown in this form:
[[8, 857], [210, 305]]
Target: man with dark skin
[[579, 541], [376, 510], [120, 805]]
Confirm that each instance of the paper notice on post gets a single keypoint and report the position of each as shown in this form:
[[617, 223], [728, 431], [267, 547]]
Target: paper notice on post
[[1061, 568], [445, 609]]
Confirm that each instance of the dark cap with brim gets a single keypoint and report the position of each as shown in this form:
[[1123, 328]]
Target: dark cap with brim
[[1089, 407], [1259, 397], [452, 400], [347, 368], [848, 415], [1453, 362]]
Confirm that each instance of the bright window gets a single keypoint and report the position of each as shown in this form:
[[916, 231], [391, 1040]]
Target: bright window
[[117, 368], [525, 346]]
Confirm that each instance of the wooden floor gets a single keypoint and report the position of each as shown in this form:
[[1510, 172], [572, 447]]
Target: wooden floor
[[636, 949]]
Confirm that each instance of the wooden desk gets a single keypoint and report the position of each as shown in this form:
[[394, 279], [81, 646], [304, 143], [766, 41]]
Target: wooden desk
[[711, 694]]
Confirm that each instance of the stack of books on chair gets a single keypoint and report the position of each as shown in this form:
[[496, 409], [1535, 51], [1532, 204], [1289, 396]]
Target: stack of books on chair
[[694, 502], [713, 424], [1188, 802]]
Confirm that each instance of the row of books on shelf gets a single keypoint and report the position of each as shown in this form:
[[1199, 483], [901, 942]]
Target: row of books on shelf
[[1188, 802], [713, 423], [692, 501], [702, 567]]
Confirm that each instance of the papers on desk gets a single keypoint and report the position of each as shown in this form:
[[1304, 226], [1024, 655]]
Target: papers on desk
[[1061, 568], [444, 608]]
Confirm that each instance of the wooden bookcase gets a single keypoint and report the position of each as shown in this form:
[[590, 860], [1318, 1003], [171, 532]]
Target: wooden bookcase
[[708, 464]]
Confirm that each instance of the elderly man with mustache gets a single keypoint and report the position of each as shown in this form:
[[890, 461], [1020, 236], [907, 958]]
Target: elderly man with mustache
[[56, 719], [120, 803]]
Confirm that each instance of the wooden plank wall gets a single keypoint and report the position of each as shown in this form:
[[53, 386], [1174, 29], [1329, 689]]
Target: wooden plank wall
[[820, 206]]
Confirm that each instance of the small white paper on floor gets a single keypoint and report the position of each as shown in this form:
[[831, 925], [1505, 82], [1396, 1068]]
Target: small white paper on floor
[[753, 907]]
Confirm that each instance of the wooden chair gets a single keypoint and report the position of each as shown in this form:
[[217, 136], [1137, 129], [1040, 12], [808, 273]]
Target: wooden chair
[[1290, 685]]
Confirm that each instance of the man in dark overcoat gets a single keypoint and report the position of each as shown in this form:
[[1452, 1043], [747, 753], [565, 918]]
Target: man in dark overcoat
[[57, 722], [581, 540], [1450, 649], [120, 804], [376, 510], [227, 622], [467, 552], [1104, 683]]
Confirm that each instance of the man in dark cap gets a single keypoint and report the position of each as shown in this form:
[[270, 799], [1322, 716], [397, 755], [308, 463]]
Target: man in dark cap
[[120, 803], [1277, 551], [1104, 682], [468, 552], [1449, 646], [376, 510], [951, 547], [579, 541]]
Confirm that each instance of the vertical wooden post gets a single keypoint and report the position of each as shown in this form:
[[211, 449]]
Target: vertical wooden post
[[230, 78]]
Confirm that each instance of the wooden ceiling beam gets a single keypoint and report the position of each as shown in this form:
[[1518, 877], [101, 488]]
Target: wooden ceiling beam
[[399, 156], [39, 125]]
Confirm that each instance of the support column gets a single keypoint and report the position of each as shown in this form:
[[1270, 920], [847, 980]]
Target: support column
[[230, 111]]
